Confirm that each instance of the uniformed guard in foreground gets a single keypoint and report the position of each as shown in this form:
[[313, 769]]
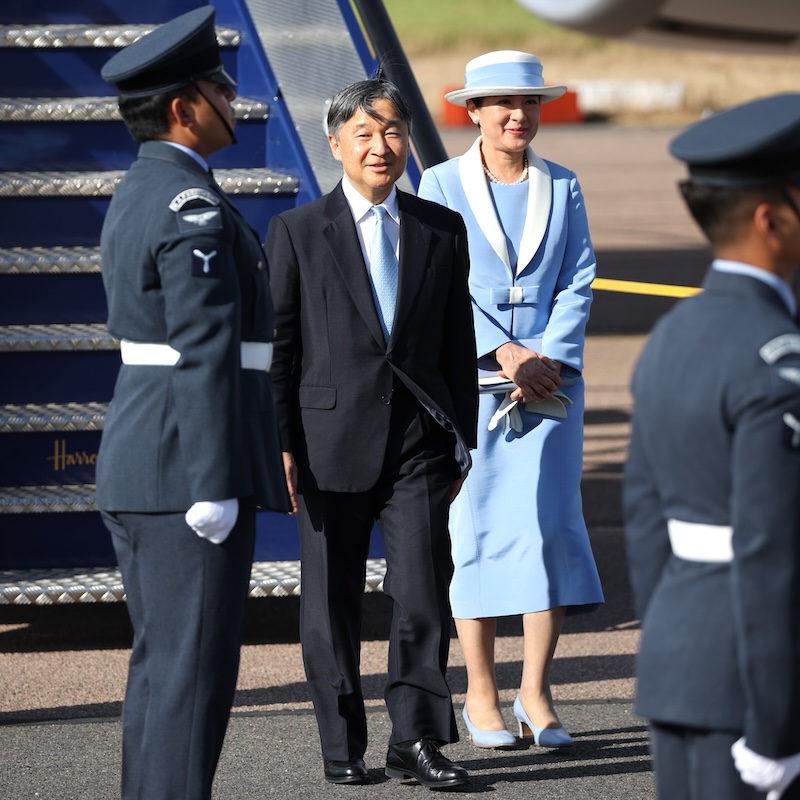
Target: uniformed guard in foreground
[[712, 483], [190, 444]]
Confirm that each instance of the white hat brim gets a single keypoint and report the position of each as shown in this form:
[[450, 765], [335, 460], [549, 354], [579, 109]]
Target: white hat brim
[[547, 93]]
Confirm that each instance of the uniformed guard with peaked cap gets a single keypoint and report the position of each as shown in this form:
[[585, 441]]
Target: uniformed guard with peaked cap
[[190, 447], [712, 482], [755, 144], [173, 55]]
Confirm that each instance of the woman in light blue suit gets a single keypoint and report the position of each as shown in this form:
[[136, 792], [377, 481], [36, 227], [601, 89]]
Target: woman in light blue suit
[[519, 539]]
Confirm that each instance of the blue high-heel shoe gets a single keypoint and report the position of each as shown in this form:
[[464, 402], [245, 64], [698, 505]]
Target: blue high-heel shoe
[[543, 737], [498, 740]]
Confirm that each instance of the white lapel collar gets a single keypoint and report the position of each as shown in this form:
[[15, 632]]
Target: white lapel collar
[[473, 180], [540, 200], [537, 216]]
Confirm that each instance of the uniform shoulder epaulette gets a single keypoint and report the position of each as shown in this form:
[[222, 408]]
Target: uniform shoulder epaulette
[[780, 346], [192, 196]]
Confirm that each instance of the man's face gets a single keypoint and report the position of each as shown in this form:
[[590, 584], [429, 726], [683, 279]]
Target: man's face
[[212, 133], [373, 150]]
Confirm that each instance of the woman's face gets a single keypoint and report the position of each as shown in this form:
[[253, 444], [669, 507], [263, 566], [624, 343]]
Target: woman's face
[[508, 122]]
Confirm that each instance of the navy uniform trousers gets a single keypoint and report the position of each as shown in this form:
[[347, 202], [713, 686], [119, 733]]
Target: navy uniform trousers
[[188, 596], [410, 503], [697, 763]]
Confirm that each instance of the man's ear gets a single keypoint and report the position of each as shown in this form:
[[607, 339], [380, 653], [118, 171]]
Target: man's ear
[[180, 112], [334, 143], [764, 220]]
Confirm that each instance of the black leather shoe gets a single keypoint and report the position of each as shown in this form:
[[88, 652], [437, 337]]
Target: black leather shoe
[[346, 771], [423, 761]]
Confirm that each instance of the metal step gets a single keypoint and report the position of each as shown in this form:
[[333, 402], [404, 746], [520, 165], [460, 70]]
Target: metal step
[[106, 36], [47, 499], [49, 260], [52, 417], [103, 184], [96, 109], [104, 585], [46, 338]]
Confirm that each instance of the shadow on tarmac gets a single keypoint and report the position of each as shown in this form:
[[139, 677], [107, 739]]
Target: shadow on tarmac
[[621, 313]]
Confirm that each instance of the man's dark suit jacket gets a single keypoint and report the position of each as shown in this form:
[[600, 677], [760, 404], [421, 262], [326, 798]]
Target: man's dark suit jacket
[[333, 371]]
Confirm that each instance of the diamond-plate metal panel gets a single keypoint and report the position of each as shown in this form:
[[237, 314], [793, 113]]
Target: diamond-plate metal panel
[[59, 184], [103, 184], [38, 338], [96, 109], [49, 260], [51, 587], [52, 417], [104, 585], [255, 181], [47, 499], [67, 35]]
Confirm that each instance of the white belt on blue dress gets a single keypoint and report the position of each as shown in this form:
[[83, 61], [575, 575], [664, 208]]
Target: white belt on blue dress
[[255, 355], [696, 541]]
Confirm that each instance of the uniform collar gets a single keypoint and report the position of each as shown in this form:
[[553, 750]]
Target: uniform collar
[[189, 152], [780, 286]]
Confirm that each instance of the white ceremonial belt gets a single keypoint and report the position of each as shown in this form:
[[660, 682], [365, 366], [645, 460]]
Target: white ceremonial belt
[[255, 355], [696, 541]]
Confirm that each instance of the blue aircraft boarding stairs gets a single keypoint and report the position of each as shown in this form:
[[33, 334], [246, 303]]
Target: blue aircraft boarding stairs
[[63, 149]]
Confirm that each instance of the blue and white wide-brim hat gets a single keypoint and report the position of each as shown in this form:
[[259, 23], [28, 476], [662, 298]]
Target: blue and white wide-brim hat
[[504, 72]]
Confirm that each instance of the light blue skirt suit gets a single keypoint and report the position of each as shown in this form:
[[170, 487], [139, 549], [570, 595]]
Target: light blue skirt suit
[[519, 539]]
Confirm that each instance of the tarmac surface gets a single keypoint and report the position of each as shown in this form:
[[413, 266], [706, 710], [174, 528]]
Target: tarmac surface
[[62, 669]]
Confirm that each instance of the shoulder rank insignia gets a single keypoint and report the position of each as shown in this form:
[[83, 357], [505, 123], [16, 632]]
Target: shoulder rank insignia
[[780, 346], [793, 424], [188, 195], [791, 374], [200, 218], [195, 220], [204, 268]]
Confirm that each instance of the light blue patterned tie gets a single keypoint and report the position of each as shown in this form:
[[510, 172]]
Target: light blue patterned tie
[[383, 271]]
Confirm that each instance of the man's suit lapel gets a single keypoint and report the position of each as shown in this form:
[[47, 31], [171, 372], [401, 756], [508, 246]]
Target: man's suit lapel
[[415, 241], [342, 238]]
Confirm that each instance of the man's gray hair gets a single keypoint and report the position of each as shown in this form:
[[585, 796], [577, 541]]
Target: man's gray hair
[[360, 96]]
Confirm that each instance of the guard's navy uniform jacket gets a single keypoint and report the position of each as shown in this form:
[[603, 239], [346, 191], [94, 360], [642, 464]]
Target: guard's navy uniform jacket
[[179, 264], [716, 440], [191, 423]]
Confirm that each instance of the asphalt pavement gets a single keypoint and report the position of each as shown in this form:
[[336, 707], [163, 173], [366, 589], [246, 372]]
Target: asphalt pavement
[[62, 668]]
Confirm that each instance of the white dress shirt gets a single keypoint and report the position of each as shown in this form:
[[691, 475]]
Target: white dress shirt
[[365, 219]]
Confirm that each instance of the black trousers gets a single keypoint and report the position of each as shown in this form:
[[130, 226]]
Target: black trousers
[[410, 502], [186, 599], [695, 764]]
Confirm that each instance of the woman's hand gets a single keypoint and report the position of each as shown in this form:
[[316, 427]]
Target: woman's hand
[[535, 375]]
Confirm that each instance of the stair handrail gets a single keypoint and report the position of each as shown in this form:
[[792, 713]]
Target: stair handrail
[[390, 54]]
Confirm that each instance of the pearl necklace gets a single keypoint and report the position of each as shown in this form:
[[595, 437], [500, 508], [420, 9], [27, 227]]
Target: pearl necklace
[[522, 177]]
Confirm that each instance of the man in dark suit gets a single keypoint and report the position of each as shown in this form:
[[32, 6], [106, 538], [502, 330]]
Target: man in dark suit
[[377, 404], [712, 483], [190, 445]]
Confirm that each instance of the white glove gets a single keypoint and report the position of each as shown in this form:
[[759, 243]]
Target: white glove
[[772, 775], [508, 413], [213, 520]]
